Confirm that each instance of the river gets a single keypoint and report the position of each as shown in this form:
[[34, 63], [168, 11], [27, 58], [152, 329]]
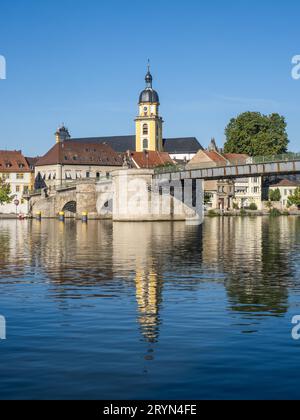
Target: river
[[150, 310]]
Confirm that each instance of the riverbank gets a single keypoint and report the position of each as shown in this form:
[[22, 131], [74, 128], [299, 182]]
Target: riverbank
[[8, 217], [251, 213]]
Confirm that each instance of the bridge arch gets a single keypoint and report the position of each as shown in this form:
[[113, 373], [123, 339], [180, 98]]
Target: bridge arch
[[70, 208]]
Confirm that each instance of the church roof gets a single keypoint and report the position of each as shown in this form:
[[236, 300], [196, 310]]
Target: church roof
[[122, 144], [149, 95]]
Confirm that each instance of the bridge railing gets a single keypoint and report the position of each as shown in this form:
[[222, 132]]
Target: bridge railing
[[287, 157], [68, 185]]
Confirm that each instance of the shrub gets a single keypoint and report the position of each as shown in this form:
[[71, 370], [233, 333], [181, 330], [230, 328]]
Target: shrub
[[243, 212], [212, 213], [274, 195], [275, 213], [253, 207]]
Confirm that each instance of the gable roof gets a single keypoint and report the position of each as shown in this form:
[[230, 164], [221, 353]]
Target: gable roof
[[122, 144], [215, 156], [285, 183], [13, 161], [150, 159], [236, 157], [80, 153]]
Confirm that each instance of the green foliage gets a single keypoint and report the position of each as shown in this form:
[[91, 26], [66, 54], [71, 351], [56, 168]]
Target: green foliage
[[294, 200], [235, 206], [269, 205], [257, 135], [212, 213], [5, 196], [207, 198], [243, 213], [274, 195], [275, 213], [253, 207]]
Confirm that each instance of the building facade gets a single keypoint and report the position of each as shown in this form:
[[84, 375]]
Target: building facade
[[286, 188], [15, 170], [70, 161]]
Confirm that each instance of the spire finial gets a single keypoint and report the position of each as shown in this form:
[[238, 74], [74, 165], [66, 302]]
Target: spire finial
[[148, 77]]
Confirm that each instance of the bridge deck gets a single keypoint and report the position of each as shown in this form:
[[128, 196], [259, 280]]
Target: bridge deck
[[234, 171]]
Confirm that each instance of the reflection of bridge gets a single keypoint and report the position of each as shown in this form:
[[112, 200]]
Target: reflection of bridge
[[173, 193]]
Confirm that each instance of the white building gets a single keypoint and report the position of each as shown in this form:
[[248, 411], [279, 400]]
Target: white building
[[286, 188], [248, 191]]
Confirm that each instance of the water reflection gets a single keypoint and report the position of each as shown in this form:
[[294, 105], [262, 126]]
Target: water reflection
[[252, 258], [256, 256]]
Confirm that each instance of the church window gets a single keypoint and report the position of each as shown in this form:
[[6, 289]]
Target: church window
[[145, 144], [145, 129]]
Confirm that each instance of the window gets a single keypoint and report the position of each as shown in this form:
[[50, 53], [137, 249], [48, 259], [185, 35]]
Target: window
[[87, 174], [68, 175], [145, 130], [145, 144], [20, 176], [26, 189], [98, 175], [18, 188]]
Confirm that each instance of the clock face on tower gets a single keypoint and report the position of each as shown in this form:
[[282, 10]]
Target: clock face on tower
[[145, 108]]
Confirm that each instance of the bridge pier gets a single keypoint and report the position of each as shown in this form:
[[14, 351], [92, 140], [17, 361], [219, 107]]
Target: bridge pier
[[138, 196]]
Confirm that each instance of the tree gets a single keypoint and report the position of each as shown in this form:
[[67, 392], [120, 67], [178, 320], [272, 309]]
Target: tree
[[275, 195], [5, 196], [255, 134], [294, 200]]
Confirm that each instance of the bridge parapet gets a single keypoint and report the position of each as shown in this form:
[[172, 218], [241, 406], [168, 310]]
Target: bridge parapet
[[232, 171]]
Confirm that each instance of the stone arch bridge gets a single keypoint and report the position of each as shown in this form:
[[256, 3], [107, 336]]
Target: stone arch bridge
[[73, 199]]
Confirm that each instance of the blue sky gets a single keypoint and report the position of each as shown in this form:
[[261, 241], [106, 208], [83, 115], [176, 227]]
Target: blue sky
[[84, 62]]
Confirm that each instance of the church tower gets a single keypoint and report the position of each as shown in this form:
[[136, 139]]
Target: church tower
[[149, 123]]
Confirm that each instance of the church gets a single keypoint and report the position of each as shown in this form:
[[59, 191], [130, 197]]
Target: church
[[73, 158]]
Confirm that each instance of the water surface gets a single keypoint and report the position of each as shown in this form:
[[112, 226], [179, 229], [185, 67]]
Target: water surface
[[150, 311]]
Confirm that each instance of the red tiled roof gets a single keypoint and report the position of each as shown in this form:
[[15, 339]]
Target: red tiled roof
[[13, 161], [214, 156], [151, 159], [236, 157], [286, 183], [77, 153]]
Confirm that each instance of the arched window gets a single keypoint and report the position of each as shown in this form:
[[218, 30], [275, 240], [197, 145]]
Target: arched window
[[145, 130], [145, 144]]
